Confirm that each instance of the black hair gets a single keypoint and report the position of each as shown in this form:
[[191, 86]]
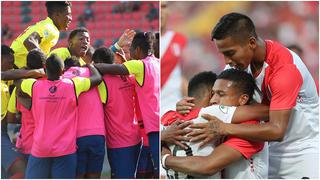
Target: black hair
[[6, 50], [144, 40], [242, 80], [71, 62], [76, 31], [56, 6], [36, 59], [238, 26], [103, 55], [54, 64], [200, 81]]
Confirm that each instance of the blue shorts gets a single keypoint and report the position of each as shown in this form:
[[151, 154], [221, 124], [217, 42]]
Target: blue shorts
[[90, 154], [62, 167], [145, 165], [9, 153], [123, 161], [153, 138]]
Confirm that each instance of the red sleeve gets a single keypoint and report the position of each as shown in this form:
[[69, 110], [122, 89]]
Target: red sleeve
[[245, 147], [284, 86]]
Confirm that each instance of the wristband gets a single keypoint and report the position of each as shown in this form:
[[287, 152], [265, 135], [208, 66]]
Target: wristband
[[163, 160]]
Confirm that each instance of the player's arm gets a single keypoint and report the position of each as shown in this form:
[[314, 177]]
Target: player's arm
[[221, 157], [113, 69], [15, 74], [95, 78], [32, 41]]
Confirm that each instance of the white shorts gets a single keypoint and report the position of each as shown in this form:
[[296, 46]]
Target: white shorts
[[294, 167]]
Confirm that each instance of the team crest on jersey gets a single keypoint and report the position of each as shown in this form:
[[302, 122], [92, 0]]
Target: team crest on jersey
[[223, 109], [53, 89]]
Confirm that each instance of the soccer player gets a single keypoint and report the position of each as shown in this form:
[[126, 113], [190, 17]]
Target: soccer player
[[122, 133], [12, 164], [53, 153], [35, 60], [78, 45], [91, 126], [232, 88], [286, 85], [147, 75], [44, 34]]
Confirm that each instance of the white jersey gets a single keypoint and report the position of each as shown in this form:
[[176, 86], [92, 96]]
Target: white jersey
[[171, 48], [225, 114]]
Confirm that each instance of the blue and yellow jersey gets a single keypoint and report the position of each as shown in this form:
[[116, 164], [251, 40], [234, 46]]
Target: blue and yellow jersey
[[64, 53], [49, 35]]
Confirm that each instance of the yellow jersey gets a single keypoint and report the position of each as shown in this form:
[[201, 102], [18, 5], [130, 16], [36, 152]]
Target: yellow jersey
[[49, 35], [5, 96], [64, 53]]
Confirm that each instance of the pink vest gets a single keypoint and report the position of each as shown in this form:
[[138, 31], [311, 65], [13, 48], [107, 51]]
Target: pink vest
[[25, 139], [119, 113], [54, 108], [91, 118], [148, 94]]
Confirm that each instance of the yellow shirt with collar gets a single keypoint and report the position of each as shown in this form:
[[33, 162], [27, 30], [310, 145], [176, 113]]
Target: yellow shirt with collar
[[49, 35]]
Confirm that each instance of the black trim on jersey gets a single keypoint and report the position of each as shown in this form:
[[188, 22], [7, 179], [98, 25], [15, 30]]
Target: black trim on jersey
[[107, 98], [144, 75], [75, 92], [31, 94]]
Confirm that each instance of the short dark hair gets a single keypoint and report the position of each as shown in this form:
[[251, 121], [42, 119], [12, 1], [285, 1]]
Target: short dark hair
[[103, 55], [242, 80], [6, 50], [201, 80], [71, 62], [144, 40], [36, 59], [56, 6], [236, 25], [156, 45], [76, 31], [54, 64]]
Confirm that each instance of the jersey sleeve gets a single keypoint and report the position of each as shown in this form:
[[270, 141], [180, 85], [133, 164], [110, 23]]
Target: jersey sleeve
[[224, 113], [284, 87], [245, 147], [12, 102], [26, 86], [136, 67], [81, 84], [103, 92]]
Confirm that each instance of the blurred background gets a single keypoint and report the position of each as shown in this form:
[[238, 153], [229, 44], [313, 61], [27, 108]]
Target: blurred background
[[290, 23], [105, 21]]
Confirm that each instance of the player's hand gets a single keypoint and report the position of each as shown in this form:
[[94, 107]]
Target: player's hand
[[120, 56], [126, 38], [206, 132], [175, 133], [185, 105]]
